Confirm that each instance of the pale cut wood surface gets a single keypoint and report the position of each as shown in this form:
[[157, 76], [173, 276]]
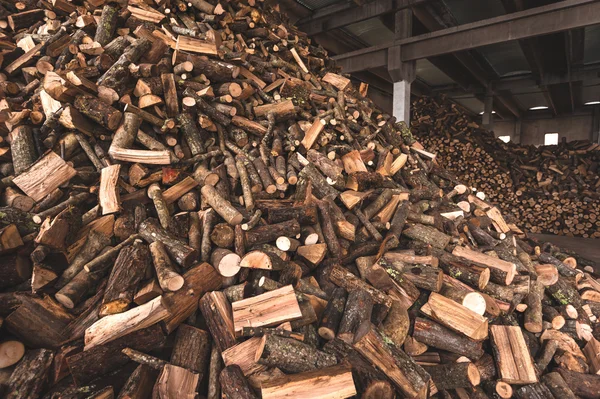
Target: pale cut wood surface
[[117, 325], [159, 157], [244, 354], [109, 193], [44, 176], [513, 359], [267, 309], [329, 383], [456, 317], [509, 268]]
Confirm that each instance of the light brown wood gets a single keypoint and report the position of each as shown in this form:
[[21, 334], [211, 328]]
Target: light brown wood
[[267, 309], [175, 192], [456, 317], [176, 382], [353, 162], [243, 355], [486, 260], [512, 356], [44, 176], [592, 353], [186, 43], [10, 353], [114, 326], [108, 196], [313, 133], [328, 383], [338, 81], [159, 157]]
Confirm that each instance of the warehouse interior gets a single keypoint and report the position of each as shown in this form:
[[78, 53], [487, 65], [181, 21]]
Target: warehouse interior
[[546, 82]]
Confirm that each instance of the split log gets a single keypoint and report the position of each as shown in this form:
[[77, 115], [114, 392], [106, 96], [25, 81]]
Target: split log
[[332, 382]]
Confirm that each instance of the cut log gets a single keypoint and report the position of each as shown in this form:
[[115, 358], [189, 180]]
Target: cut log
[[513, 359], [328, 383], [268, 309]]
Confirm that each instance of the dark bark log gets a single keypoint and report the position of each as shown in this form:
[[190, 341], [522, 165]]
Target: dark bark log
[[356, 320], [234, 385], [217, 312], [107, 25], [125, 277], [98, 111], [191, 349], [292, 356], [29, 377], [191, 134], [22, 148], [332, 315], [437, 336], [101, 359], [139, 384], [269, 233], [151, 231], [183, 303]]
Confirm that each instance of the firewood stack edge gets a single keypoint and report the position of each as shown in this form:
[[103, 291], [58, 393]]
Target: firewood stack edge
[[200, 205], [549, 189]]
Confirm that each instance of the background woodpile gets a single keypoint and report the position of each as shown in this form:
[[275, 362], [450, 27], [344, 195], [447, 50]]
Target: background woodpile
[[198, 205], [548, 189]]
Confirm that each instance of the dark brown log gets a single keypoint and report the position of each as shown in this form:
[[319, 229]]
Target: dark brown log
[[139, 383], [583, 385], [234, 384], [98, 111], [332, 315], [268, 233], [183, 303], [101, 359], [192, 350], [437, 336], [453, 376], [168, 278], [356, 320], [28, 378], [291, 356], [151, 231], [216, 309], [130, 268], [22, 148], [39, 323], [557, 385], [409, 378]]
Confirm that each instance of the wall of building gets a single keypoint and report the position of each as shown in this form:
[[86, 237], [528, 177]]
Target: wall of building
[[577, 127]]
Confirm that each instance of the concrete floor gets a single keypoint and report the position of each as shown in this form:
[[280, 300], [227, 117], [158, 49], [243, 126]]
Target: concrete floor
[[588, 248]]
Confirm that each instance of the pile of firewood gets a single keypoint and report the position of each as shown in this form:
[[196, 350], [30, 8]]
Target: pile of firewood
[[548, 189], [197, 204]]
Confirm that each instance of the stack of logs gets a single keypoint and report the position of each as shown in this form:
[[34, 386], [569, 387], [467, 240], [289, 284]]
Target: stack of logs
[[549, 189], [197, 204]]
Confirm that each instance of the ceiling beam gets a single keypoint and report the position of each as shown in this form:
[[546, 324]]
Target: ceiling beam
[[344, 14], [559, 17], [530, 80], [479, 72], [531, 50]]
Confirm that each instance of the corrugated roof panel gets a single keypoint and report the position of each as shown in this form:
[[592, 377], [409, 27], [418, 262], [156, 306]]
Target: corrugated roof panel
[[533, 98], [590, 91], [592, 44], [467, 11], [316, 4], [431, 74], [470, 103], [371, 31], [507, 58]]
